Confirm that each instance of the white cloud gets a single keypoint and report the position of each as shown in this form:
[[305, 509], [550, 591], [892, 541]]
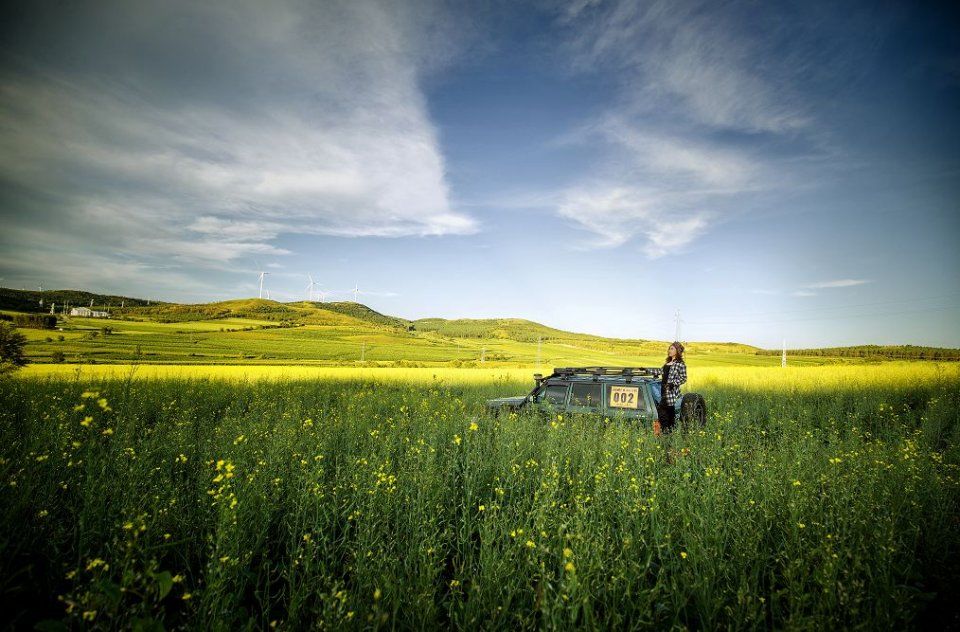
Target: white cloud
[[688, 56], [297, 118], [836, 283], [619, 214], [705, 119]]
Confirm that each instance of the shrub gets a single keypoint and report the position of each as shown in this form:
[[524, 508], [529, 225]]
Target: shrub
[[11, 348], [36, 321]]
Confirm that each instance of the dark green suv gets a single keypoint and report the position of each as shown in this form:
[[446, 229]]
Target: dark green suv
[[628, 392]]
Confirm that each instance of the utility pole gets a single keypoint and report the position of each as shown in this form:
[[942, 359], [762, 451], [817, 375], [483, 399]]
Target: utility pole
[[783, 356], [677, 317]]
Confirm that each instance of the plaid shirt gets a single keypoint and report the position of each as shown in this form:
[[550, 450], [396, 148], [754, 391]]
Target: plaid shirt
[[678, 376]]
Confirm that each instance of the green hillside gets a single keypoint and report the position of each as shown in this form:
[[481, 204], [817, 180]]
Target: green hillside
[[29, 300], [258, 331]]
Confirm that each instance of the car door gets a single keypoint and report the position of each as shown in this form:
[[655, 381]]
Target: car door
[[553, 396]]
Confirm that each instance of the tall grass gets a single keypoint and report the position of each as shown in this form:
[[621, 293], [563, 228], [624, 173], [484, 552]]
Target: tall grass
[[202, 503]]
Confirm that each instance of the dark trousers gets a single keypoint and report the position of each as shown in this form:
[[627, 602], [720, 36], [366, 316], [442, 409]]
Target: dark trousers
[[667, 415]]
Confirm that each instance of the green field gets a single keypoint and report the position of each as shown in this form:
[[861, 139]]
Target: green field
[[816, 498], [315, 335]]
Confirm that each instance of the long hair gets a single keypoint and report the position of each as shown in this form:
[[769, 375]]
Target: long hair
[[679, 351]]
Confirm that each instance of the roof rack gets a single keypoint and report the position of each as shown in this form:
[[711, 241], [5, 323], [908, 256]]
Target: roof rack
[[596, 371]]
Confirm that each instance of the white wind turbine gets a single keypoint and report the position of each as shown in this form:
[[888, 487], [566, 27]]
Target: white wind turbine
[[311, 286], [356, 292], [262, 274]]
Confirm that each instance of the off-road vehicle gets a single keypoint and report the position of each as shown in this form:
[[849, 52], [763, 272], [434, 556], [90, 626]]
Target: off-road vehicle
[[628, 392]]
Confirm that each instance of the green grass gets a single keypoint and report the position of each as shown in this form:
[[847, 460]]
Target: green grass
[[246, 340], [814, 499]]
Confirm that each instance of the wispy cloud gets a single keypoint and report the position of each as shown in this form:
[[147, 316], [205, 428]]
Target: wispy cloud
[[707, 113], [837, 283], [808, 289], [619, 214], [206, 147]]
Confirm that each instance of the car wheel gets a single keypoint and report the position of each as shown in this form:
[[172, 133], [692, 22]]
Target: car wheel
[[693, 411]]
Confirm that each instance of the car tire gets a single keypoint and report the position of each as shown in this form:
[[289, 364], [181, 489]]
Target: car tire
[[693, 411]]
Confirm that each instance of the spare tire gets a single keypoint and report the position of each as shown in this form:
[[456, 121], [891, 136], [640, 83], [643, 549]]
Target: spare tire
[[693, 411]]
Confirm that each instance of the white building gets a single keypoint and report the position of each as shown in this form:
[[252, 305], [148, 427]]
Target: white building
[[86, 312]]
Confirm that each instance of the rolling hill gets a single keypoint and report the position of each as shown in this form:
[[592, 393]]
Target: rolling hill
[[346, 333]]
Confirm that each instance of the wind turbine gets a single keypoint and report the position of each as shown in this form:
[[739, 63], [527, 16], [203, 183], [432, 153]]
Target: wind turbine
[[262, 274], [356, 292], [310, 288]]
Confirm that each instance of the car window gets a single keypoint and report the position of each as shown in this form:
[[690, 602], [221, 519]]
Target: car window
[[586, 394], [554, 394]]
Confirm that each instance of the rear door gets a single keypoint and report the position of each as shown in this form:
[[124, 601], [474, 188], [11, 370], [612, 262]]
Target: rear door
[[626, 399]]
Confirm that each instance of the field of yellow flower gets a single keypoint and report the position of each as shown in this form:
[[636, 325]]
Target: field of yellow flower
[[815, 498]]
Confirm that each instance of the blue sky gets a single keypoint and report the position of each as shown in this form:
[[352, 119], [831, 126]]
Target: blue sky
[[772, 170]]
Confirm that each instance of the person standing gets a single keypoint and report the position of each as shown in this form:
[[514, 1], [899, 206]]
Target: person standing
[[674, 374]]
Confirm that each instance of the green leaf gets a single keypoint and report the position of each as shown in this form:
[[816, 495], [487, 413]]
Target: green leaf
[[165, 582]]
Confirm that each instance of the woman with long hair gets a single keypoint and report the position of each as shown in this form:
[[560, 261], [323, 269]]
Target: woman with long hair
[[674, 374]]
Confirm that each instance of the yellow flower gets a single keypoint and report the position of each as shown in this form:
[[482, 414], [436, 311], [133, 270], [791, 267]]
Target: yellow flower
[[473, 426], [457, 439], [86, 421], [796, 483], [530, 544], [567, 553], [107, 431], [186, 596], [376, 594], [569, 567], [683, 554], [94, 563], [482, 507]]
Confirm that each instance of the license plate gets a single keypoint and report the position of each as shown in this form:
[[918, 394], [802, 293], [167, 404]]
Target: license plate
[[624, 397]]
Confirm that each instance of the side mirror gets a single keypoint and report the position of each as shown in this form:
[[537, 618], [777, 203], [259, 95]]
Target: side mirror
[[538, 378]]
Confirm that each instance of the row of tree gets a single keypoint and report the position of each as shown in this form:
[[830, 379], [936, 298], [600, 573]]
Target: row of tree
[[886, 352]]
